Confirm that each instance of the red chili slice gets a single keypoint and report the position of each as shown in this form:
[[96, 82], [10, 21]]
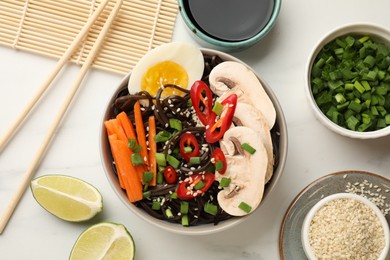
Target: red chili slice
[[202, 100], [170, 175], [189, 140], [216, 128], [217, 156], [186, 190]]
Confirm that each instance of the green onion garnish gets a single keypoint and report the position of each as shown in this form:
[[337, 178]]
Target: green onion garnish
[[168, 213], [217, 108], [199, 185], [159, 178], [137, 148], [225, 182], [245, 207], [195, 160], [156, 205], [187, 149], [131, 143], [175, 163], [147, 177], [248, 148], [160, 159], [210, 208], [162, 136], [147, 194], [218, 165], [184, 220], [136, 159], [175, 124], [184, 206]]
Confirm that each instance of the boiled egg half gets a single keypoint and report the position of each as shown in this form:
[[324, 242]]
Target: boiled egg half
[[171, 63]]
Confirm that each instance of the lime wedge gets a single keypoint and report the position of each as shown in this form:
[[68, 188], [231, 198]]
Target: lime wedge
[[104, 241], [68, 198]]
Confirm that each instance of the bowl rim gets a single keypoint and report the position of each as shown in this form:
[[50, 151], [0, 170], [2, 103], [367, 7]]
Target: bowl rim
[[343, 195], [371, 29], [201, 229], [233, 44]]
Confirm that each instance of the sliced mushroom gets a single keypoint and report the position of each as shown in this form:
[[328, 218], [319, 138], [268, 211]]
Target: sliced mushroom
[[246, 171], [232, 77], [254, 119]]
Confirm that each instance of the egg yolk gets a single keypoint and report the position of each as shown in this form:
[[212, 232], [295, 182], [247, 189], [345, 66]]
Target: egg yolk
[[166, 72]]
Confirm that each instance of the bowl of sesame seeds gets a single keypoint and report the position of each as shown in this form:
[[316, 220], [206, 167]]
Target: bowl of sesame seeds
[[345, 226]]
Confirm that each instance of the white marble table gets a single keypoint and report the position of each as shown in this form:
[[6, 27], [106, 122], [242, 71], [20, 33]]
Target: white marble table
[[280, 59]]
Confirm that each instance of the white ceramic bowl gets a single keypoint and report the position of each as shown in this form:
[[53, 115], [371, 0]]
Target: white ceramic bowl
[[308, 219], [376, 32], [204, 228]]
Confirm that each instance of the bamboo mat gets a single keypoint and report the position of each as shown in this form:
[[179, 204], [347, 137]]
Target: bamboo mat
[[47, 27]]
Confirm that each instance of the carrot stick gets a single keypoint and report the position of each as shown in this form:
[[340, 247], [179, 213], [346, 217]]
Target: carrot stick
[[139, 128], [130, 179], [111, 139], [113, 127], [126, 125], [153, 149]]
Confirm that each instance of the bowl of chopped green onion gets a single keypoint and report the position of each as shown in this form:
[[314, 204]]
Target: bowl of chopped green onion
[[348, 81]]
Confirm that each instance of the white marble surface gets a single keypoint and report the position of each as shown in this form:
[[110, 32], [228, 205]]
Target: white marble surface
[[280, 59]]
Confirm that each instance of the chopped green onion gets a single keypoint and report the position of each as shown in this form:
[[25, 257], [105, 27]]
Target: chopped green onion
[[147, 177], [131, 143], [187, 149], [210, 208], [225, 182], [175, 124], [162, 136], [351, 77], [160, 159], [218, 165], [352, 122], [159, 178], [359, 87], [199, 185], [195, 160], [147, 194], [247, 147], [136, 159], [184, 206], [168, 213], [340, 98], [217, 108], [355, 106], [156, 205], [369, 61], [137, 148], [245, 207], [184, 220], [175, 163], [387, 119], [174, 195]]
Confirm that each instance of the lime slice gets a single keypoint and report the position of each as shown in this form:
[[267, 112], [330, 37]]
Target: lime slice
[[104, 241], [67, 197]]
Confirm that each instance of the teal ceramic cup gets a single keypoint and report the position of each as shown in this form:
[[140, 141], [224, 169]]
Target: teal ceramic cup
[[229, 25]]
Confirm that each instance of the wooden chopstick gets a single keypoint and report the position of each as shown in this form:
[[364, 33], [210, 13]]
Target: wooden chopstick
[[57, 120], [65, 58]]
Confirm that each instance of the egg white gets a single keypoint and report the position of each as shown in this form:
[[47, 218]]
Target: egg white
[[187, 55]]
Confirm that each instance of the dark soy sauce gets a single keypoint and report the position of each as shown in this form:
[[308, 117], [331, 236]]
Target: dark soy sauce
[[230, 20]]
